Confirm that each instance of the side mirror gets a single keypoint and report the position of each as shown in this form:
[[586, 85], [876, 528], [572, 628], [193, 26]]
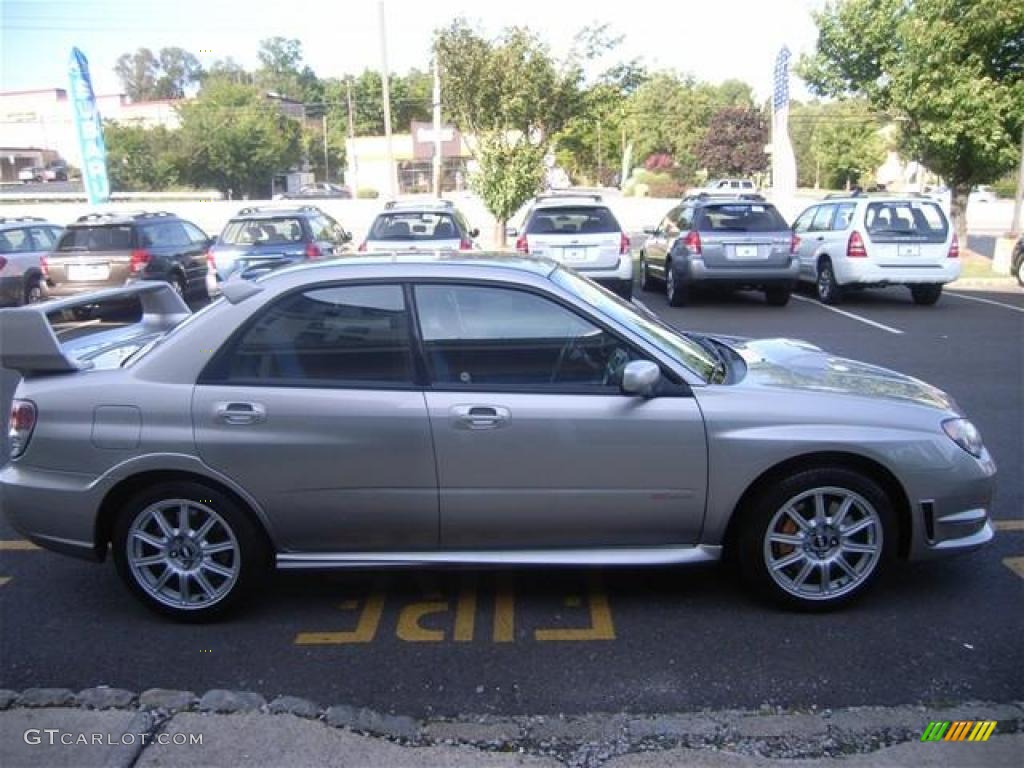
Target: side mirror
[[346, 236], [650, 230], [639, 377], [511, 232], [474, 232], [211, 241]]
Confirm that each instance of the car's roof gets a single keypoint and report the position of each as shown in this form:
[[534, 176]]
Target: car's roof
[[17, 222], [447, 262], [878, 197], [106, 218], [247, 214]]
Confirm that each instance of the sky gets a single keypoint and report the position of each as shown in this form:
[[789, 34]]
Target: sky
[[713, 41]]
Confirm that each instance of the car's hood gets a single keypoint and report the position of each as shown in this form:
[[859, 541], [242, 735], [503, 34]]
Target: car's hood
[[799, 365]]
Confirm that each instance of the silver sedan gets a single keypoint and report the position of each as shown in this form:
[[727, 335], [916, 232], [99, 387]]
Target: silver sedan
[[485, 410]]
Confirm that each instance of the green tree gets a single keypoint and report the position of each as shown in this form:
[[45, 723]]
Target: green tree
[[141, 159], [734, 141], [847, 145], [166, 75], [513, 98], [138, 73], [282, 71], [232, 138], [949, 71], [179, 69]]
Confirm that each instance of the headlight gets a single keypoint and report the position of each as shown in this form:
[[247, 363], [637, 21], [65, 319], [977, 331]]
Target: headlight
[[964, 434]]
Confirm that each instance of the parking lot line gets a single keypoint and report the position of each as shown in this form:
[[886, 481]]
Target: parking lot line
[[1009, 525], [4, 580], [850, 315], [1015, 564], [16, 545], [986, 301]]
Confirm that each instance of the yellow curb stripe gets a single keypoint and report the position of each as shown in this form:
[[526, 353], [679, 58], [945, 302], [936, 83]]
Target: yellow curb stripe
[[1015, 564], [1009, 525], [4, 580], [16, 545]]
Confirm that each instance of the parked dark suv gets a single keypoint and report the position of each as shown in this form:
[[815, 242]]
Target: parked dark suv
[[259, 240], [736, 241], [104, 250]]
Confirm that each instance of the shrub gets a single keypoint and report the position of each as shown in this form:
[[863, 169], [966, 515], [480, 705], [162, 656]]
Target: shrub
[[367, 193]]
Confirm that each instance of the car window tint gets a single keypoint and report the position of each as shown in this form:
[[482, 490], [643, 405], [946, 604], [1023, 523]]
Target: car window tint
[[322, 229], [741, 217], [108, 238], [685, 219], [44, 238], [843, 217], [572, 221], [822, 218], [916, 219], [349, 335], [166, 234], [414, 225], [286, 229], [15, 241], [195, 234], [477, 337], [803, 222]]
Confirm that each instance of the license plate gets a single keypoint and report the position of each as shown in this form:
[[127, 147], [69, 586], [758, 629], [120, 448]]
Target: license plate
[[88, 272], [574, 254], [909, 250], [746, 251]]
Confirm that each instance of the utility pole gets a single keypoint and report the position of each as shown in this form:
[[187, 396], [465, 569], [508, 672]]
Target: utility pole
[[437, 129], [354, 160], [327, 172], [1018, 200], [386, 96]]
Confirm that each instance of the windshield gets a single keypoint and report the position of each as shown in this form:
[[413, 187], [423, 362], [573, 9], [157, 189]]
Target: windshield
[[414, 225], [663, 336]]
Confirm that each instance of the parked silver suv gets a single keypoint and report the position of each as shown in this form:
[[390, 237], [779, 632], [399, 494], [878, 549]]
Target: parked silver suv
[[848, 243], [24, 243], [492, 411]]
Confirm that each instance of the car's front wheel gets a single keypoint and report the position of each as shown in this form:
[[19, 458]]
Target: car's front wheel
[[828, 290], [187, 550], [817, 539]]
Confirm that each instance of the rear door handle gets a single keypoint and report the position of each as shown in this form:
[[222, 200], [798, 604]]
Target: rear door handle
[[479, 416], [819, 238], [240, 413]]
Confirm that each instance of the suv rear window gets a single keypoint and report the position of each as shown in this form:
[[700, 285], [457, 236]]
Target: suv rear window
[[102, 238], [741, 217], [580, 220], [263, 231], [415, 225], [914, 219]]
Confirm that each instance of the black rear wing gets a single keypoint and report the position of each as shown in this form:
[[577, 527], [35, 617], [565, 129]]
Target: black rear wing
[[28, 343]]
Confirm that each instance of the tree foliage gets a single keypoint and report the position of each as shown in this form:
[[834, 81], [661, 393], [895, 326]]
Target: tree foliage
[[141, 159], [733, 144], [146, 76], [282, 71], [950, 71], [513, 97]]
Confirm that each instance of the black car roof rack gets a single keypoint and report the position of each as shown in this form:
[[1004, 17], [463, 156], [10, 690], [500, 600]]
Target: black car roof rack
[[10, 219], [131, 215], [431, 203], [752, 197], [249, 210]]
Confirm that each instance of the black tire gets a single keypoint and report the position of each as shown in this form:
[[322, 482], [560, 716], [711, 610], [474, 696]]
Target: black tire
[[625, 290], [826, 288], [767, 509], [646, 281], [777, 297], [248, 559], [926, 295], [178, 284], [677, 293], [33, 292], [1020, 272]]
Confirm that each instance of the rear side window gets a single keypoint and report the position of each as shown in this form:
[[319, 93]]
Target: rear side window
[[287, 229], [108, 238], [843, 217], [823, 218], [741, 217], [414, 225], [917, 220], [341, 336], [572, 221], [167, 234], [15, 241], [44, 237]]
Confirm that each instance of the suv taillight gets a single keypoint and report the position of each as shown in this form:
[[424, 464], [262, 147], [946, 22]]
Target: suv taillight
[[140, 258], [44, 265], [211, 260], [954, 248], [692, 241], [522, 245], [23, 421], [794, 243], [855, 247], [624, 245], [313, 251], [465, 244]]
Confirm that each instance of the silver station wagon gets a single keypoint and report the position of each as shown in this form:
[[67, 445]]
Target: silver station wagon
[[435, 409]]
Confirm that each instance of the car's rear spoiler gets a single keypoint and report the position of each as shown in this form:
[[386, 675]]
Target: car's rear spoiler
[[29, 344]]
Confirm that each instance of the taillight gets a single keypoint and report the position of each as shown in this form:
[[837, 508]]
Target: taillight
[[3, 262], [140, 258], [23, 421], [794, 243], [211, 260], [313, 251], [954, 248], [692, 241], [855, 247], [362, 247], [624, 246], [522, 245], [465, 245], [44, 265]]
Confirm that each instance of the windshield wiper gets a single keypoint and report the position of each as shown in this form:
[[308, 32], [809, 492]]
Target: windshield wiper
[[721, 370]]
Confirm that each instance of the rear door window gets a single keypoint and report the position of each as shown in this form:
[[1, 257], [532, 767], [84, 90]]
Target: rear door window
[[577, 220], [823, 218], [43, 238], [741, 217], [916, 220], [15, 241], [166, 234]]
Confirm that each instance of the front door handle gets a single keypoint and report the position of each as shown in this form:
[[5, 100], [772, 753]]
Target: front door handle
[[479, 416], [239, 413]]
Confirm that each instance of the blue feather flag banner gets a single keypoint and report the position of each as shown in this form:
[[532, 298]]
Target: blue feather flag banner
[[783, 159], [89, 127]]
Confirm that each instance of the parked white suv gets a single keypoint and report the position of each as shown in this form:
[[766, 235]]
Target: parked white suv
[[580, 231], [862, 241]]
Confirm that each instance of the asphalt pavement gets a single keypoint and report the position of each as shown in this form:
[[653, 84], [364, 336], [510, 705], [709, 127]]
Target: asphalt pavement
[[445, 643]]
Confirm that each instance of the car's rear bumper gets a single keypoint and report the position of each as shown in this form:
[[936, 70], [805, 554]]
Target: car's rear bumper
[[872, 273], [700, 271]]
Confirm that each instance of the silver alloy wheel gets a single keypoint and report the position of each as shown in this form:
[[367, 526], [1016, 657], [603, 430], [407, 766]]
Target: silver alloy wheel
[[823, 543], [824, 282], [670, 281], [183, 554]]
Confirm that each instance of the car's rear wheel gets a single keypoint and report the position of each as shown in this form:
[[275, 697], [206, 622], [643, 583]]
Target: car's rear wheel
[[646, 281], [178, 284], [818, 539], [188, 551], [676, 292], [777, 297], [1020, 272], [828, 290], [925, 295], [33, 292]]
